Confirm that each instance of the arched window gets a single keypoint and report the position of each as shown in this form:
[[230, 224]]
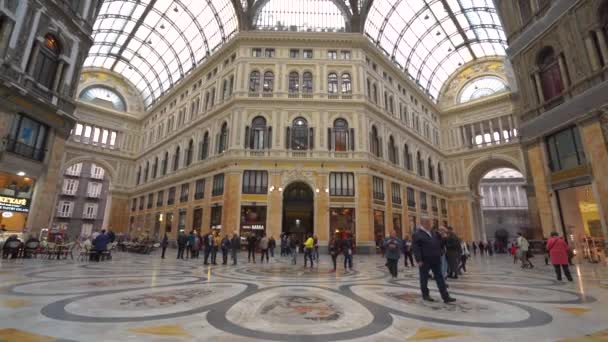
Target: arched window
[[204, 146], [268, 82], [431, 169], [407, 156], [258, 136], [392, 150], [420, 164], [439, 174], [47, 61], [189, 152], [300, 135], [341, 138], [146, 171], [165, 163], [550, 76], [254, 82], [307, 83], [176, 157], [223, 139], [155, 168], [103, 96], [294, 82], [375, 142], [332, 83], [346, 84]]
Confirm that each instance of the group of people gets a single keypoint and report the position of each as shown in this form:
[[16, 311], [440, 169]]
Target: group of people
[[210, 243]]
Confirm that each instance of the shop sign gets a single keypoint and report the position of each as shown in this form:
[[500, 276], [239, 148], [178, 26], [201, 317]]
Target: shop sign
[[9, 203], [254, 226]]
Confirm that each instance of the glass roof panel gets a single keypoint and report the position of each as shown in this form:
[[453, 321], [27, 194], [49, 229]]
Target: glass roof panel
[[302, 15], [430, 41], [481, 87], [104, 96], [157, 43]]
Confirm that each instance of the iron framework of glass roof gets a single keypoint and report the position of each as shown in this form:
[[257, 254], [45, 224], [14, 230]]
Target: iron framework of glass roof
[[155, 43], [103, 93], [481, 87]]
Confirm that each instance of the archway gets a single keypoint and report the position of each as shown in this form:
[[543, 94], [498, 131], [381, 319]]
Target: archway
[[83, 201], [499, 201], [298, 210]]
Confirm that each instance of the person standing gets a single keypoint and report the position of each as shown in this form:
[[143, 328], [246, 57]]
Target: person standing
[[235, 245], [407, 251], [225, 245], [347, 251], [309, 245], [392, 252], [163, 244], [481, 248], [524, 247], [316, 251], [101, 244], [333, 251], [452, 253], [182, 239], [464, 255], [272, 244], [216, 247], [208, 242], [264, 242], [251, 241], [190, 245], [558, 252], [427, 252], [474, 248]]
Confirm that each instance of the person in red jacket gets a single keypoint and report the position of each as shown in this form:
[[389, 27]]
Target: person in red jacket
[[558, 251]]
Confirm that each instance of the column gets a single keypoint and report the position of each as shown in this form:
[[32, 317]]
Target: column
[[540, 210], [482, 132], [593, 57], [322, 208], [460, 136], [491, 199], [364, 214], [539, 87], [232, 204], [563, 70], [510, 127], [58, 74], [492, 131], [501, 134], [517, 197], [275, 205], [472, 137], [601, 37]]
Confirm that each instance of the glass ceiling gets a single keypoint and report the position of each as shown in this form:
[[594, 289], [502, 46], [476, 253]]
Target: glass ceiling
[[430, 41], [481, 87], [103, 95], [154, 43]]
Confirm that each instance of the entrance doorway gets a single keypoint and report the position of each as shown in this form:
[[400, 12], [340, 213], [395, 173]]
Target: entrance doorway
[[298, 211]]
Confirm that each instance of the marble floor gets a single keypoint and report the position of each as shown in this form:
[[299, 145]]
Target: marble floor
[[144, 298]]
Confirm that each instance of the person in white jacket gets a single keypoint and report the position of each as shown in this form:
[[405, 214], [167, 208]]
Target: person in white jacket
[[523, 246], [464, 255]]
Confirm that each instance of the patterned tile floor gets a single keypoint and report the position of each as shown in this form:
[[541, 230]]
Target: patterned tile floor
[[144, 298]]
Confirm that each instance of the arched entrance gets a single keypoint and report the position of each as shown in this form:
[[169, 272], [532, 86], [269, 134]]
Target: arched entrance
[[298, 210]]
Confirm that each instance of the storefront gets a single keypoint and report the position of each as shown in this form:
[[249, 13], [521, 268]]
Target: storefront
[[342, 222], [379, 228], [581, 221], [15, 196], [253, 220], [397, 225]]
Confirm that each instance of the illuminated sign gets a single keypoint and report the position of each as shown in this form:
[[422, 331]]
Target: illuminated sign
[[254, 226], [7, 214], [9, 203], [217, 226]]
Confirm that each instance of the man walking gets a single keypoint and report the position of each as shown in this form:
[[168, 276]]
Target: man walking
[[163, 244], [309, 245], [407, 251], [392, 251], [347, 250], [182, 239], [251, 241], [264, 248], [427, 252]]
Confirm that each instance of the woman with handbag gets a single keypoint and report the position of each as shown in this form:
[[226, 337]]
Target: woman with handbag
[[558, 252]]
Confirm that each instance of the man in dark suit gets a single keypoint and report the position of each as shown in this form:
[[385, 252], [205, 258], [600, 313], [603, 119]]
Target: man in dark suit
[[427, 252]]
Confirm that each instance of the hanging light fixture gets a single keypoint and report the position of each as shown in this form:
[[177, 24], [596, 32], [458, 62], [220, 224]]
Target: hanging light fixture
[[162, 26], [175, 9]]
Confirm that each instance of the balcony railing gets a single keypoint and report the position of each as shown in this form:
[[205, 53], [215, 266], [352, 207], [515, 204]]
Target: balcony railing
[[89, 216], [24, 150], [64, 214], [93, 194], [69, 192]]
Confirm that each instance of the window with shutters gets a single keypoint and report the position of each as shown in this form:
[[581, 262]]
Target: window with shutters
[[160, 198], [342, 184], [423, 203], [552, 81], [164, 164], [218, 185], [185, 191], [155, 168], [396, 193], [378, 188], [199, 189], [46, 62], [171, 196], [411, 197], [434, 206]]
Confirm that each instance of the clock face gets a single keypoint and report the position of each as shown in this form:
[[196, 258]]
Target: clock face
[[101, 95]]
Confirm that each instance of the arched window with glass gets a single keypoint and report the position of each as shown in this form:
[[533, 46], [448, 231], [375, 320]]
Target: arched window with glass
[[420, 164], [332, 83], [294, 82], [307, 83], [258, 137], [299, 135], [407, 157], [551, 78], [204, 147], [46, 62], [254, 81], [176, 157], [346, 84], [189, 152], [375, 142], [392, 151], [222, 139], [268, 82], [431, 169], [340, 137]]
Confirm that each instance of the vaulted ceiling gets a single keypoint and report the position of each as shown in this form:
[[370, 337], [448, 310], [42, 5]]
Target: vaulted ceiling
[[155, 43]]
